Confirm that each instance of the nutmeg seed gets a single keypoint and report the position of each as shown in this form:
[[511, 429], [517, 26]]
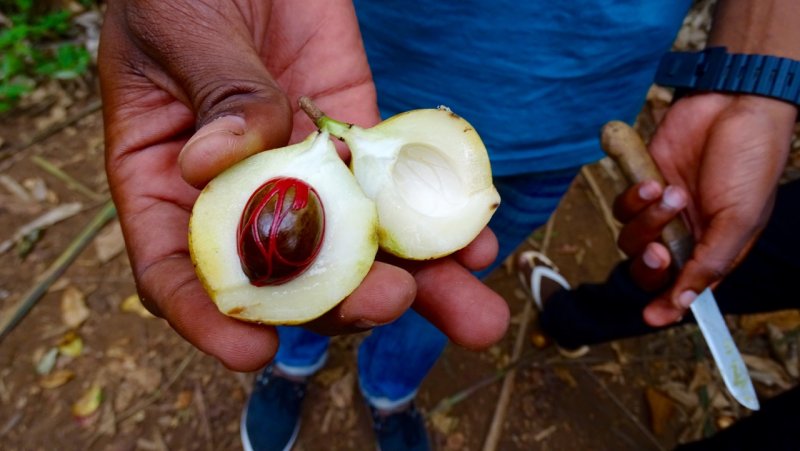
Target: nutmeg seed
[[280, 232]]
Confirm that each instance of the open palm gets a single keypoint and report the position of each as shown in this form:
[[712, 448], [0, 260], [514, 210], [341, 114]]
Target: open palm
[[232, 70]]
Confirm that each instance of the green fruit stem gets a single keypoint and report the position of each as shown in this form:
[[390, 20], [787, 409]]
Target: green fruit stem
[[332, 126]]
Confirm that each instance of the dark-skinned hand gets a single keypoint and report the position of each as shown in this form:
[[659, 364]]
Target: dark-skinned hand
[[190, 88], [722, 157]]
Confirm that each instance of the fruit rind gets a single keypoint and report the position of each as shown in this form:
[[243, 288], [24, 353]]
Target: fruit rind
[[433, 190], [347, 252]]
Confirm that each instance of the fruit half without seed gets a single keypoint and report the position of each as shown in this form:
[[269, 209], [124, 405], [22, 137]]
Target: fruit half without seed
[[429, 174], [322, 227]]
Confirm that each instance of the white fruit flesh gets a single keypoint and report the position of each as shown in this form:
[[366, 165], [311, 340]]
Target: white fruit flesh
[[429, 174], [347, 253]]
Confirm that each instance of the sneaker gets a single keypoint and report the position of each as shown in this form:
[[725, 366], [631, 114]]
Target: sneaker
[[541, 278], [402, 430], [271, 418]]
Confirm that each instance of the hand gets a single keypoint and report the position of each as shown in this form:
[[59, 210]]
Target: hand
[[232, 71], [722, 156]]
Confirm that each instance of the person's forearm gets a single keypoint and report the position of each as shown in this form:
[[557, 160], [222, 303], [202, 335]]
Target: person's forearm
[[770, 27]]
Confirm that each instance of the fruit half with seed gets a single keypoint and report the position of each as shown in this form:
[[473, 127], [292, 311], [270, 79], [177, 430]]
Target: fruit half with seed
[[428, 172], [284, 235]]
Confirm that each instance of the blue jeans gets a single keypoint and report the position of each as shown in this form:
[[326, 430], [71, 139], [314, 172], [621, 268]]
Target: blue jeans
[[394, 359]]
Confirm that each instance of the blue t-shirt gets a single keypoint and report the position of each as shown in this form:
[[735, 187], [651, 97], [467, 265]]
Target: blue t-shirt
[[537, 79]]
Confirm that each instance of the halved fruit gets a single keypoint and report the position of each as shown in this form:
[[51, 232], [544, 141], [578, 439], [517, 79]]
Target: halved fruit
[[429, 174], [284, 235]]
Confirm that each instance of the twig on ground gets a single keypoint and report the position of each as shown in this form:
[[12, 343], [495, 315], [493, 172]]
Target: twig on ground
[[54, 216], [16, 189], [14, 314], [71, 183], [13, 154], [202, 412], [496, 427], [605, 210]]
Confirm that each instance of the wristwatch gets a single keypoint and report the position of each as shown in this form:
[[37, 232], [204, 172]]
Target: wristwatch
[[714, 69]]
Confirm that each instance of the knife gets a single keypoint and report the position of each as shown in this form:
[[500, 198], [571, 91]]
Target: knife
[[624, 145]]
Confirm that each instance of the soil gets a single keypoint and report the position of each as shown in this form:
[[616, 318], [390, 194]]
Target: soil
[[159, 393]]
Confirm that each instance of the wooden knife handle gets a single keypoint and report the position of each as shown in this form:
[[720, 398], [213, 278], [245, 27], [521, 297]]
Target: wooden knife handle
[[624, 145]]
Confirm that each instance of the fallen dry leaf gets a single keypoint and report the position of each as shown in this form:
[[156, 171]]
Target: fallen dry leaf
[[767, 371], [56, 379], [680, 393], [341, 391], [109, 242], [73, 307], [328, 376], [785, 320], [701, 377], [133, 304], [71, 345], [88, 403], [565, 375], [661, 410], [613, 369], [183, 400], [46, 363], [443, 423]]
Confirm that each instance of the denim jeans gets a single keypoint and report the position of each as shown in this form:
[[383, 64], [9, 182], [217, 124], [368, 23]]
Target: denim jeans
[[394, 359]]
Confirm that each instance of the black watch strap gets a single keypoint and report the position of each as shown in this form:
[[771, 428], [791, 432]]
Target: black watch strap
[[714, 69]]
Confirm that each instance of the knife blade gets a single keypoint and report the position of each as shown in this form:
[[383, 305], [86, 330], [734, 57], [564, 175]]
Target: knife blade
[[624, 145]]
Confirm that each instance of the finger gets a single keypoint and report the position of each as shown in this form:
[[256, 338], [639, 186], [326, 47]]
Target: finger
[[217, 71], [725, 242], [661, 312], [480, 253], [185, 305], [635, 199], [648, 225], [385, 294], [462, 307], [651, 269]]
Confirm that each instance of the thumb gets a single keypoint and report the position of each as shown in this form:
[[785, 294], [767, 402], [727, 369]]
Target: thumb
[[214, 67]]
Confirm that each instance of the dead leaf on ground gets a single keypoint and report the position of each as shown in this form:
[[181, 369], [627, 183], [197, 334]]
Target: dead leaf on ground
[[702, 376], [133, 304], [785, 350], [681, 394], [88, 403], [56, 379], [71, 345], [767, 371], [443, 423], [47, 361], [341, 391], [109, 242], [566, 376], [183, 400], [73, 307], [785, 320], [613, 369], [328, 376], [661, 408]]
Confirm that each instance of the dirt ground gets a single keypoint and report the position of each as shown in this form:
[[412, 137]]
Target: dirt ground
[[87, 369]]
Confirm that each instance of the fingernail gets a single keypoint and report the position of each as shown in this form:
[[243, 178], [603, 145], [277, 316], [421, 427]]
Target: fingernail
[[231, 125], [649, 191], [686, 298], [673, 198], [365, 324], [651, 259]]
